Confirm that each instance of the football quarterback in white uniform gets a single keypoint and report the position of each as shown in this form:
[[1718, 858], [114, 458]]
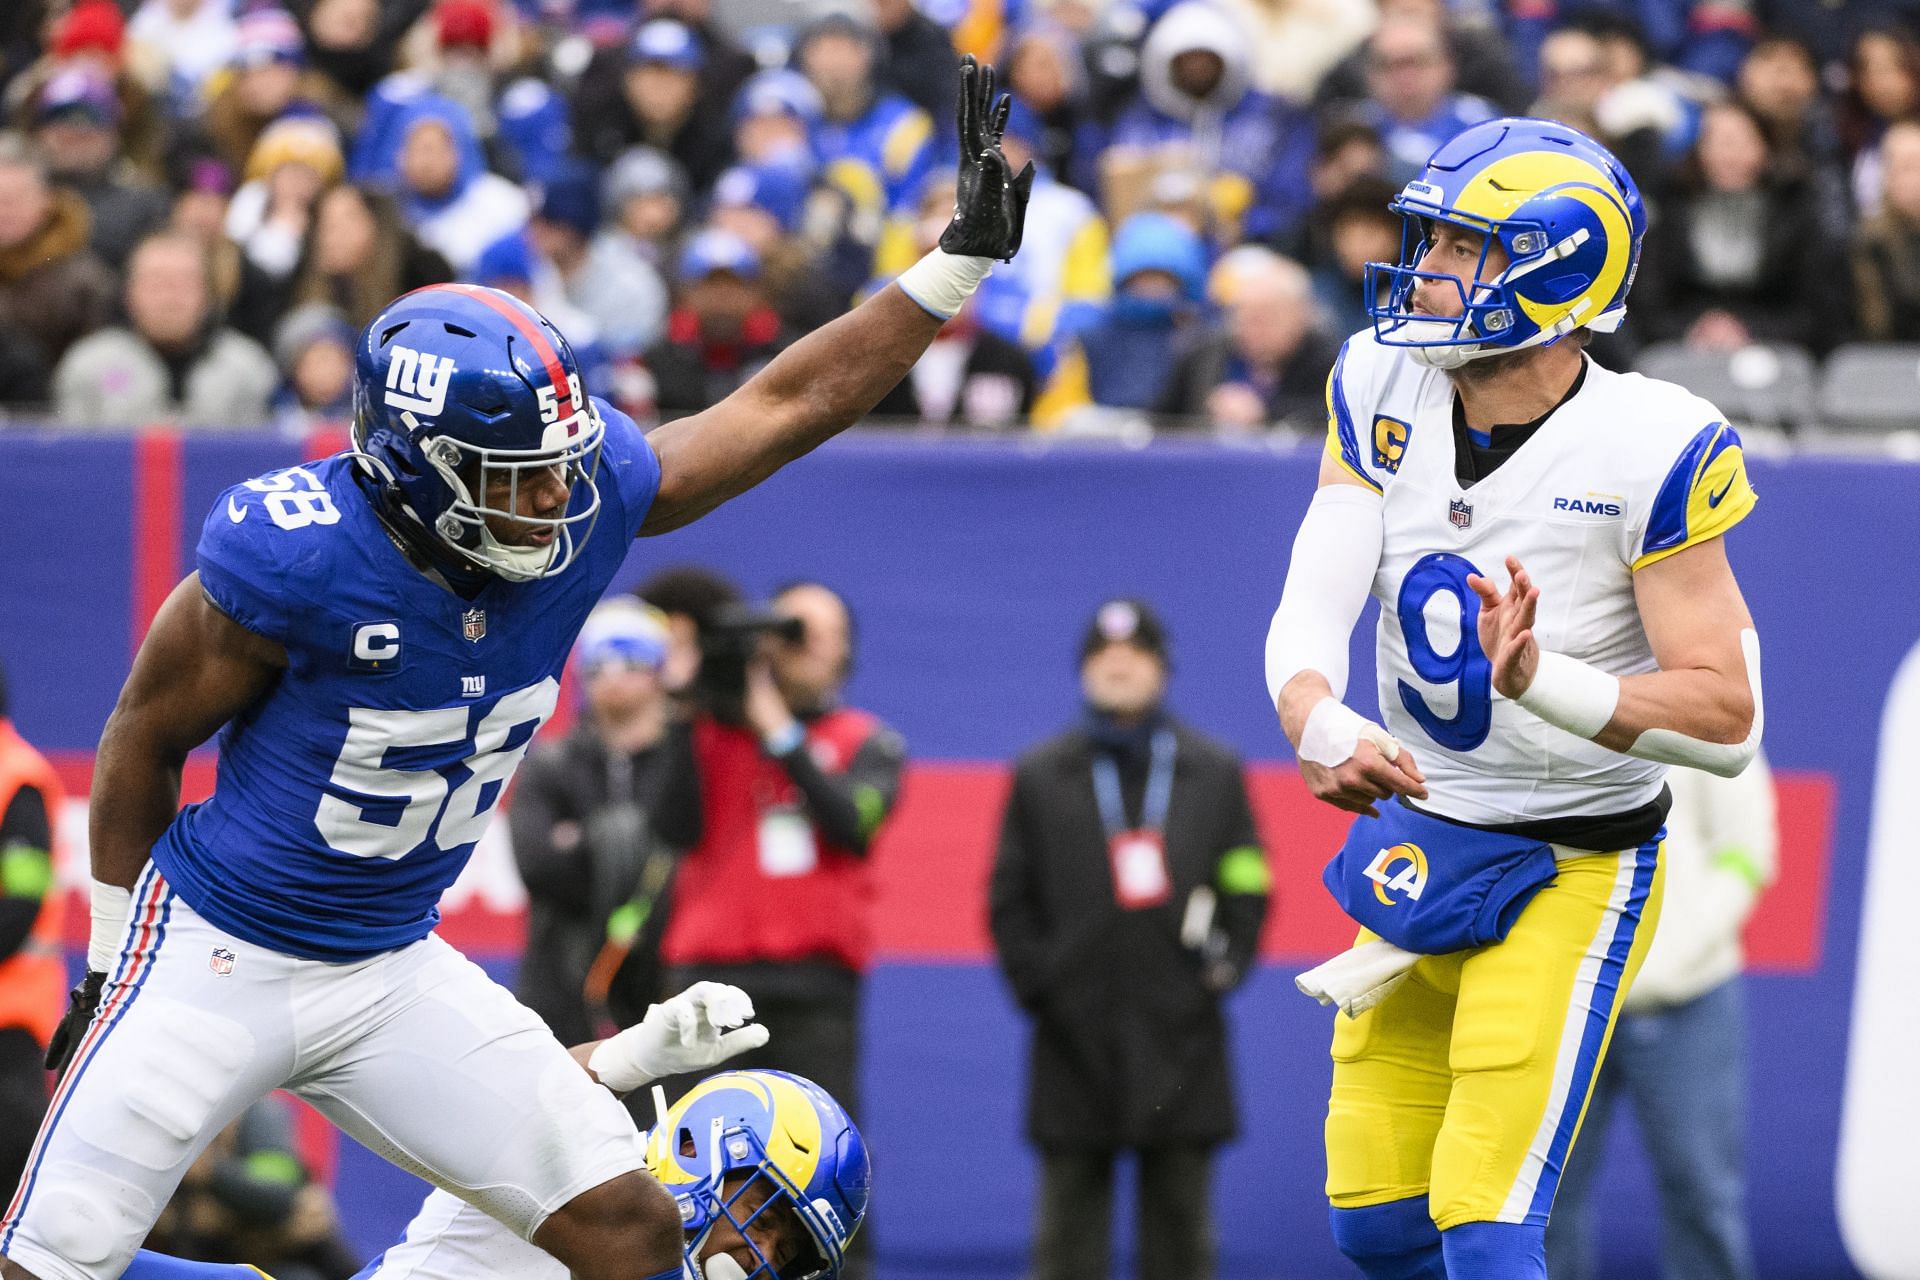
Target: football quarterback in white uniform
[[1558, 624]]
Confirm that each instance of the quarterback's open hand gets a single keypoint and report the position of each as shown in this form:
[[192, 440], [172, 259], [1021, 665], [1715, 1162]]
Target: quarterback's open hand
[[1506, 629], [989, 204]]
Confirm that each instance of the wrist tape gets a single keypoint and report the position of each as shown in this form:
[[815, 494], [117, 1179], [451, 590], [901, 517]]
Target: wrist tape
[[941, 282]]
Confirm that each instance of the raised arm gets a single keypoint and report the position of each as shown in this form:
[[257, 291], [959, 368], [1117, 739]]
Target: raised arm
[[827, 381]]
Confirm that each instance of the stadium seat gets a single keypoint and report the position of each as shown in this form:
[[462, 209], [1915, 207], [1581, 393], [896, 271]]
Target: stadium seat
[[1872, 387], [1759, 385]]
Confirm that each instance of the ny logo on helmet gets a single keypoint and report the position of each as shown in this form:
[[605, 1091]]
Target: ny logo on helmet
[[418, 381]]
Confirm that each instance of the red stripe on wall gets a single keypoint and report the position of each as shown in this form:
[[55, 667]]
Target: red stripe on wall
[[156, 525], [933, 859]]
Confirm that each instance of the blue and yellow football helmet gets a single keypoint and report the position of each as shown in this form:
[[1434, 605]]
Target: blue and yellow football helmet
[[741, 1144], [1565, 211]]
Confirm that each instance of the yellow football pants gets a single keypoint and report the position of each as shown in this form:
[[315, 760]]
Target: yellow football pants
[[1468, 1082]]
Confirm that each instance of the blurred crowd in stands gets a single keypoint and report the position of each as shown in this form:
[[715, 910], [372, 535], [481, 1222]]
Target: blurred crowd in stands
[[203, 201]]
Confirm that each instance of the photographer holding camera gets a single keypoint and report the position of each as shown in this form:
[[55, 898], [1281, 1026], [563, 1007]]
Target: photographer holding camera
[[776, 797]]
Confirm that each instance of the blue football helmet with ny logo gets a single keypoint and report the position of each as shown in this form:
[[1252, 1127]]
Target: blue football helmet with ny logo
[[1565, 213], [743, 1150], [460, 394]]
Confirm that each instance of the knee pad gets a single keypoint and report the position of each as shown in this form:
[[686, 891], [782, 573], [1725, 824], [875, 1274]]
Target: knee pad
[[1391, 1241], [86, 1216], [1495, 1251]]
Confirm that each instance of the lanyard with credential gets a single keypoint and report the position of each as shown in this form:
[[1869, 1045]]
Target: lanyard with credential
[[1153, 809]]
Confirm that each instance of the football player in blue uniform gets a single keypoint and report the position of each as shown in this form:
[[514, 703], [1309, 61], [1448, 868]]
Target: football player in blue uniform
[[377, 637]]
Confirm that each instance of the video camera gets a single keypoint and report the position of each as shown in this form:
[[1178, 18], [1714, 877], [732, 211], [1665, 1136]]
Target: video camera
[[730, 635]]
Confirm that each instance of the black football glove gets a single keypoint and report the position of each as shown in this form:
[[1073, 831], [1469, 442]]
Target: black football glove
[[989, 206], [81, 1003]]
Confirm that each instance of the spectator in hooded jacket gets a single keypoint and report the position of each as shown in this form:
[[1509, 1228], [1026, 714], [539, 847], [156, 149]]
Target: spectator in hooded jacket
[[1125, 358], [874, 144], [1265, 363], [453, 203], [195, 38], [644, 193], [172, 360], [765, 205], [774, 117], [269, 78], [53, 289], [1197, 113]]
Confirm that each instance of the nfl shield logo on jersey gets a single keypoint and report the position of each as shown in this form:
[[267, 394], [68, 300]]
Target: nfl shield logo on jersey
[[473, 624], [1460, 514], [221, 961]]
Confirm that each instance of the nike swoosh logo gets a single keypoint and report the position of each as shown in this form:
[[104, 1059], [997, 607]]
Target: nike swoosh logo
[[1713, 499], [235, 512]]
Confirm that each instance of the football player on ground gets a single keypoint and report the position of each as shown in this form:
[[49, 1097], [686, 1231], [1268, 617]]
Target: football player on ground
[[380, 635], [1558, 624], [771, 1175]]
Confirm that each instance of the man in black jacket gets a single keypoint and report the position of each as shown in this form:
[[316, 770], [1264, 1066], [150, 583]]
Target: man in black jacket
[[1127, 899]]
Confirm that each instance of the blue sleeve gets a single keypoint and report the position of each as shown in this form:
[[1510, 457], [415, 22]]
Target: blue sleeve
[[631, 464], [238, 570]]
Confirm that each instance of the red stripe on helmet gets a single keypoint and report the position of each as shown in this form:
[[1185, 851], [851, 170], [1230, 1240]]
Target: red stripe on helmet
[[530, 330]]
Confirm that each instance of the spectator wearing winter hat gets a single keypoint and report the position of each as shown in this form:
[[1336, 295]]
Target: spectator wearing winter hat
[[765, 206], [172, 360], [91, 35], [314, 349], [77, 128], [1125, 359], [1197, 114], [268, 79], [193, 38], [53, 289], [645, 196], [297, 158], [659, 102], [773, 117], [874, 144], [969, 376], [723, 328], [625, 298]]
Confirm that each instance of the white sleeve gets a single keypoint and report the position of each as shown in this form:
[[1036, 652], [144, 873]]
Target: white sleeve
[[1335, 555]]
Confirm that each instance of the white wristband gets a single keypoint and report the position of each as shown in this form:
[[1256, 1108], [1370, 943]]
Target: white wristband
[[1333, 732], [1571, 695], [941, 282], [111, 904]]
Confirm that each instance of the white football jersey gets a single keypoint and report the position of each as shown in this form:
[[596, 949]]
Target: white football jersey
[[1626, 472], [449, 1239]]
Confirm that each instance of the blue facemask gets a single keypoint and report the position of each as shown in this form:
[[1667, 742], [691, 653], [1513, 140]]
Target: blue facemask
[[1135, 312]]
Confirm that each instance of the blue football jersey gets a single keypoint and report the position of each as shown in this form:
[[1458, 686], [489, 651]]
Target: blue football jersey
[[349, 797]]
